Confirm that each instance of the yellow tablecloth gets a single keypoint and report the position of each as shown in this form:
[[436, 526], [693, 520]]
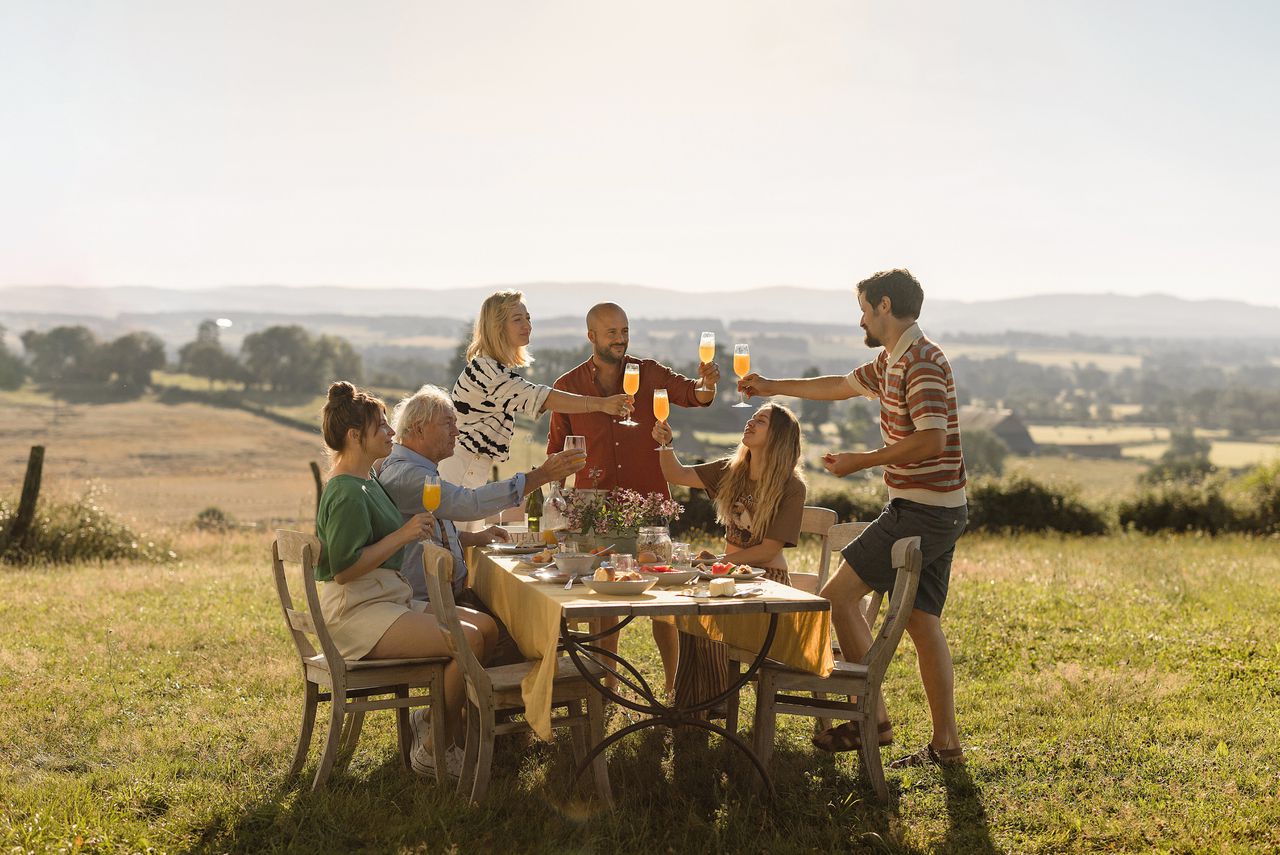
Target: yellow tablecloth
[[531, 611]]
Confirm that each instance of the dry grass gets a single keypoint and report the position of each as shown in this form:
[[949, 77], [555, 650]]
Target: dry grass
[[161, 463]]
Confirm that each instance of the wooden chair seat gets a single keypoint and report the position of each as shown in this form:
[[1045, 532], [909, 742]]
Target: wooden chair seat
[[507, 678], [352, 686]]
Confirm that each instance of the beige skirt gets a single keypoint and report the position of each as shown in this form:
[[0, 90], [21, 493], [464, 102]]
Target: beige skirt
[[359, 613]]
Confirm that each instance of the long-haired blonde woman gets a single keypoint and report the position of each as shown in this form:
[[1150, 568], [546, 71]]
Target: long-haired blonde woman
[[367, 604], [489, 393], [759, 497]]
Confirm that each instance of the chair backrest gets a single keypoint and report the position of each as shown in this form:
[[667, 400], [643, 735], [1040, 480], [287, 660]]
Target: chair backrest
[[816, 520], [293, 549], [437, 564], [838, 537], [906, 559]]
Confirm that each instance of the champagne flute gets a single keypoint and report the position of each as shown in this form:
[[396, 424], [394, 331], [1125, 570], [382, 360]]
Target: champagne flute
[[431, 493], [630, 385], [661, 411], [707, 347], [741, 367]]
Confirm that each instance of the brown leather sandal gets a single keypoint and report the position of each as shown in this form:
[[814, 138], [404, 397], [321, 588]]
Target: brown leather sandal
[[848, 737], [930, 756]]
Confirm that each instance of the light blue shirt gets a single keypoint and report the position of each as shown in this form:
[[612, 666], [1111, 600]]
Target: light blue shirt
[[401, 475]]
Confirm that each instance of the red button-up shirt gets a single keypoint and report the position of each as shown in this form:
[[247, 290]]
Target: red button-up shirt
[[620, 456]]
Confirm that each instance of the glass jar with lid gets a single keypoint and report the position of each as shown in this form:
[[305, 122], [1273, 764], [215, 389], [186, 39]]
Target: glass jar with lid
[[656, 541]]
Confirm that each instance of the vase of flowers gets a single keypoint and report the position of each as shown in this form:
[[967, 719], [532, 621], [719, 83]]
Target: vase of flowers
[[598, 518]]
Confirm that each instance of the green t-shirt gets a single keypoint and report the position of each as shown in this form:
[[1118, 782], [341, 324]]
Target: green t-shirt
[[353, 514]]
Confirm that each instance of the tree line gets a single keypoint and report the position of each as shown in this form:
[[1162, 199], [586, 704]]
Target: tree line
[[280, 358]]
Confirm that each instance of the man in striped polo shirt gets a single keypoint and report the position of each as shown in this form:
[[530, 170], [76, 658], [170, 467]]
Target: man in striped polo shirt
[[924, 471]]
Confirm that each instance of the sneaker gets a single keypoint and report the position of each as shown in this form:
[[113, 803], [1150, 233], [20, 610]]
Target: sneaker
[[421, 759]]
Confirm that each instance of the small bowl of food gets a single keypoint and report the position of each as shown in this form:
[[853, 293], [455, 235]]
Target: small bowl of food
[[576, 562], [619, 587], [666, 576]]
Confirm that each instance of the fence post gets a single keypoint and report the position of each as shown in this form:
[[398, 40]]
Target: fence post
[[17, 533], [315, 474]]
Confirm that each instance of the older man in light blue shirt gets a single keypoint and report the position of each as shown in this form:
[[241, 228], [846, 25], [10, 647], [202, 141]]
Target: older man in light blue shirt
[[426, 426]]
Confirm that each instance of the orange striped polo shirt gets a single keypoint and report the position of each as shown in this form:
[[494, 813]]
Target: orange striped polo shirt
[[916, 392]]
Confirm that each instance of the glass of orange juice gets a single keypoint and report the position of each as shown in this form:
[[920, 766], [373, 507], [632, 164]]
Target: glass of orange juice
[[630, 385], [431, 492], [707, 347], [741, 367], [661, 411]]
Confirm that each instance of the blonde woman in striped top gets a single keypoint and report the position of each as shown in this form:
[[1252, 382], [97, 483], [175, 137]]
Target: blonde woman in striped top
[[490, 393]]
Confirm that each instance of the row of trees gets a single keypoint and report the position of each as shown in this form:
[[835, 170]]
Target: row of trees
[[282, 358]]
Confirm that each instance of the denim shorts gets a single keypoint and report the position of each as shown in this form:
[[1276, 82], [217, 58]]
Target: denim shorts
[[938, 528]]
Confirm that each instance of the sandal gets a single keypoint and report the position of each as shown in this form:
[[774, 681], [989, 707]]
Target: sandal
[[930, 756], [848, 737]]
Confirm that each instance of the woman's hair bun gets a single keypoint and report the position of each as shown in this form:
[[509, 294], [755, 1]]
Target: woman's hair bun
[[342, 391]]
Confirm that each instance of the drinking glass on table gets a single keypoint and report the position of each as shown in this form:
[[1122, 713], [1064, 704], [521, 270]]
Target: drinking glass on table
[[630, 385], [661, 411], [623, 563], [741, 367]]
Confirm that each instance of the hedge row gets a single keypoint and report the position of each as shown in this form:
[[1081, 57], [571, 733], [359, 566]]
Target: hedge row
[[1021, 504]]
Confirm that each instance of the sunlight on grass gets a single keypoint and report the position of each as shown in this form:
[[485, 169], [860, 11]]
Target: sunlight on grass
[[1113, 693]]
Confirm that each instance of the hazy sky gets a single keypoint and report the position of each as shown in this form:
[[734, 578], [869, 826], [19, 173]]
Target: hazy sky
[[996, 148]]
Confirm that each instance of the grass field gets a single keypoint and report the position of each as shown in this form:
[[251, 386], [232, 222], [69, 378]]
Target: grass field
[[1115, 694], [1223, 454], [160, 464]]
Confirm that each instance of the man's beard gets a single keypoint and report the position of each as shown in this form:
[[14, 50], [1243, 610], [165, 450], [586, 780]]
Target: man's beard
[[606, 354], [870, 340]]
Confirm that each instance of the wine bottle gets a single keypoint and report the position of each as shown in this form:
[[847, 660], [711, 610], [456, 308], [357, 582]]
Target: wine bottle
[[533, 509]]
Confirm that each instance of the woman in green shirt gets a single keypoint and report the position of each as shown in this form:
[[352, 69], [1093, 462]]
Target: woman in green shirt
[[368, 606]]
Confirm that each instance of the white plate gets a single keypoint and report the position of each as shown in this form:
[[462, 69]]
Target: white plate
[[513, 549], [629, 588], [755, 573], [674, 579], [701, 592], [553, 575]]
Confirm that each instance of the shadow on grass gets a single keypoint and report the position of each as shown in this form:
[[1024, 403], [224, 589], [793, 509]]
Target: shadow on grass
[[968, 830], [675, 792]]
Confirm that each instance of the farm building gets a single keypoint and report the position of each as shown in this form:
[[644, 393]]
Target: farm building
[[1003, 423]]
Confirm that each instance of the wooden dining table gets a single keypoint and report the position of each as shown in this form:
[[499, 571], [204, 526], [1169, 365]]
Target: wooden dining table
[[780, 623]]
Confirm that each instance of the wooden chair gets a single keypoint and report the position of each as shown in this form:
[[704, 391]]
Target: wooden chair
[[860, 681], [349, 685], [497, 690]]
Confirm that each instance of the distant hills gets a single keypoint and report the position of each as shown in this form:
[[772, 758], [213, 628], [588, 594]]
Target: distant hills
[[1106, 315]]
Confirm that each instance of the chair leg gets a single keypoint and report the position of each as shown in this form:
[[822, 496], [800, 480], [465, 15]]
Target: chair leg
[[870, 750], [766, 717], [471, 751], [309, 703], [822, 722], [731, 706], [577, 730], [404, 733], [484, 754], [337, 712], [439, 741], [350, 736], [595, 735]]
